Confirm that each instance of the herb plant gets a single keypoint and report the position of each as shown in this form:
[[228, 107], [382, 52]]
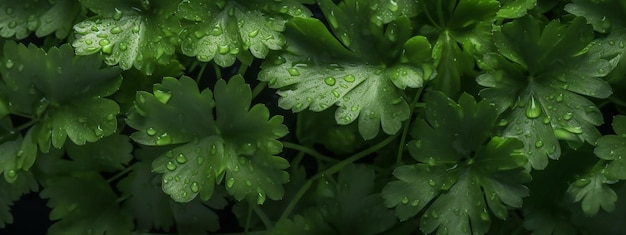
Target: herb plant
[[315, 116]]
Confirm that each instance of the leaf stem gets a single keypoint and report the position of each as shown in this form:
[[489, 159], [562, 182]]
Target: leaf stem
[[121, 173], [264, 218], [218, 71], [330, 171], [242, 69], [202, 68], [258, 89], [308, 151], [405, 130], [26, 125]]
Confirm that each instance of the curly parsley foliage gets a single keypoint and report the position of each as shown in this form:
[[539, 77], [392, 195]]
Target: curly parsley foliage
[[142, 34], [222, 30], [537, 80], [62, 92], [462, 28], [593, 189], [459, 179], [10, 192], [351, 74], [155, 210], [84, 202], [20, 18], [236, 147], [346, 205]]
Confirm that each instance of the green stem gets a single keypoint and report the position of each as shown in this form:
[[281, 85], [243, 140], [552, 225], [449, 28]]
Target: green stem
[[440, 13], [26, 125], [308, 151], [202, 68], [121, 173], [264, 218], [242, 69], [405, 130], [218, 71], [330, 171], [248, 218], [258, 89]]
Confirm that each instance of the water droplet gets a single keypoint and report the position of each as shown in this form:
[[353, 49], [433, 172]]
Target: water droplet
[[336, 93], [621, 44], [567, 116], [230, 182], [546, 120], [533, 110], [432, 183], [345, 39], [397, 100], [12, 24], [217, 30], [117, 15], [574, 129], [539, 144], [253, 33], [195, 187], [135, 29], [98, 131], [170, 166], [392, 6], [181, 158], [9, 64], [582, 182], [503, 122], [248, 183], [484, 216], [329, 81], [151, 131], [9, 11], [293, 71], [223, 49], [11, 174], [559, 98], [116, 30], [456, 211], [260, 196], [163, 139], [104, 42], [199, 160], [405, 200], [349, 78], [332, 20], [110, 117], [415, 202], [163, 96], [434, 214]]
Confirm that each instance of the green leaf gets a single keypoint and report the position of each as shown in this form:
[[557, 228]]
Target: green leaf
[[65, 94], [594, 192], [16, 155], [11, 192], [463, 28], [223, 30], [20, 18], [386, 11], [238, 145], [515, 8], [314, 128], [108, 154], [155, 210], [604, 15], [462, 178], [130, 34], [369, 93], [538, 82], [84, 203]]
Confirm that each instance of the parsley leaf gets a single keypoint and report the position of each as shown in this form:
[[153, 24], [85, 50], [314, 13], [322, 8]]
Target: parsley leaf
[[130, 34], [459, 178], [537, 80], [154, 209], [461, 28], [20, 18], [612, 148], [84, 203], [65, 94], [602, 15], [10, 192], [515, 8], [367, 91], [238, 145], [108, 154], [222, 30]]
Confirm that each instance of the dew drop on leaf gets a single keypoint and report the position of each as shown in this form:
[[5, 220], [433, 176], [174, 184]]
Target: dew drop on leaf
[[260, 197], [397, 100], [9, 11], [484, 216], [573, 129], [223, 49], [434, 214], [217, 30], [117, 15], [230, 182], [181, 158], [336, 93], [405, 200], [253, 33], [539, 144], [199, 160], [582, 182], [194, 187], [151, 131], [330, 81], [12, 24], [163, 139], [248, 183], [432, 183], [11, 174], [349, 78], [9, 64], [293, 71], [170, 166], [332, 20], [162, 96], [415, 202], [546, 120], [533, 110]]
